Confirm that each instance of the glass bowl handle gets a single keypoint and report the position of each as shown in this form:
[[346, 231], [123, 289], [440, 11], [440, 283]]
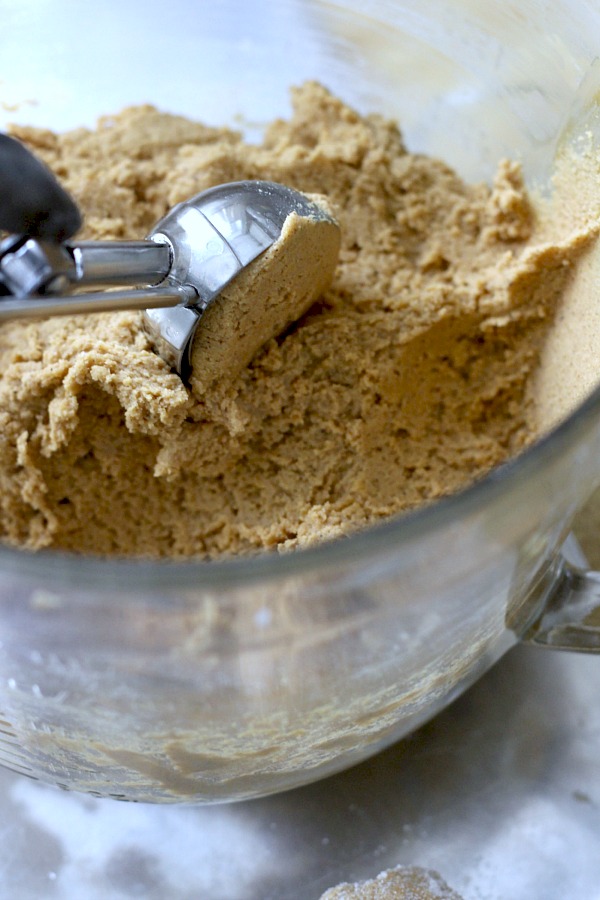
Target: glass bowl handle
[[570, 614]]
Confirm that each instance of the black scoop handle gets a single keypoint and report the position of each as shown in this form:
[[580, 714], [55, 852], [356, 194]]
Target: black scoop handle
[[32, 201]]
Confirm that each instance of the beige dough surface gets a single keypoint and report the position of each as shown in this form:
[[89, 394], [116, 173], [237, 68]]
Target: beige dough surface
[[411, 375], [401, 883], [265, 299]]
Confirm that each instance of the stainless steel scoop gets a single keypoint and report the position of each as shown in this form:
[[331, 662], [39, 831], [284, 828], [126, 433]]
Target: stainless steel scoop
[[183, 264]]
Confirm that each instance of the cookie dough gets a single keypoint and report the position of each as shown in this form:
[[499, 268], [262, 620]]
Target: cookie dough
[[410, 376], [265, 298], [401, 883]]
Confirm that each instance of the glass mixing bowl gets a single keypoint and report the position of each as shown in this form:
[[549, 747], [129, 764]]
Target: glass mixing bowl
[[207, 682]]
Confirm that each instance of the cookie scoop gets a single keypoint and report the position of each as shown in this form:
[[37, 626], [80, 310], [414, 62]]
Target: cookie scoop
[[248, 258]]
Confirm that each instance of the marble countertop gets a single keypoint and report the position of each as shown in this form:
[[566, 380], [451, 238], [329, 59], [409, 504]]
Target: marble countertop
[[500, 794]]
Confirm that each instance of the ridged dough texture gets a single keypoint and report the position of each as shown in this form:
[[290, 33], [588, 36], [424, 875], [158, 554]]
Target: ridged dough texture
[[409, 377]]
